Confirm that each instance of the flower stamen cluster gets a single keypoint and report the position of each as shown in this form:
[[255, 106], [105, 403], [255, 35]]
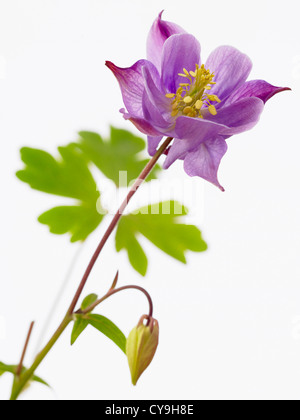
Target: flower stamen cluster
[[191, 98]]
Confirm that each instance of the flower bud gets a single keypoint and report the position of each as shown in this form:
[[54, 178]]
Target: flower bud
[[141, 346]]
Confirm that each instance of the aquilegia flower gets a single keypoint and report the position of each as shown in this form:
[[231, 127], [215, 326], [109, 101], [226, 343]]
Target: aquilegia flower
[[200, 105]]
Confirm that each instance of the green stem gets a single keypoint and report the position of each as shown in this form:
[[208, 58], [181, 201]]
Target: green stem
[[22, 380]]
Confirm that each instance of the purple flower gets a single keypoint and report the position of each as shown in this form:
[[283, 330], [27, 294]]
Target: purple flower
[[200, 105]]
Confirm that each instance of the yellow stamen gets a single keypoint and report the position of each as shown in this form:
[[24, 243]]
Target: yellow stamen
[[212, 110], [213, 98], [192, 97], [187, 110], [187, 100], [199, 104]]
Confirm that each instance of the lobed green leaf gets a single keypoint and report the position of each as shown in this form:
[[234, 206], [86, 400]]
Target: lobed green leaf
[[69, 176], [159, 224], [121, 153]]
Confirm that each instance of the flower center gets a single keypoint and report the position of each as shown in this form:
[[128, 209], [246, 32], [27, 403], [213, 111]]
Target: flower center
[[191, 97]]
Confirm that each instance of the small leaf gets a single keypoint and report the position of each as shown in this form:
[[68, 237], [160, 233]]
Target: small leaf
[[7, 369], [79, 326], [13, 369], [121, 153], [109, 329], [81, 323], [159, 224], [40, 381], [69, 177], [88, 301]]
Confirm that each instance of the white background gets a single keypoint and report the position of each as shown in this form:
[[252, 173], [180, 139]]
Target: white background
[[230, 320]]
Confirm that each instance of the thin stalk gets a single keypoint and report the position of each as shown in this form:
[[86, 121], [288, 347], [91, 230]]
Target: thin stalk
[[24, 378], [146, 171], [20, 367], [28, 374], [113, 292]]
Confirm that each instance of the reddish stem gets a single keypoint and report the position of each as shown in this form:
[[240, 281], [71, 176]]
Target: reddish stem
[[148, 168], [20, 367]]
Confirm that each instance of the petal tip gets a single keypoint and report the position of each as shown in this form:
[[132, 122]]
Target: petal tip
[[160, 14], [278, 90], [110, 65]]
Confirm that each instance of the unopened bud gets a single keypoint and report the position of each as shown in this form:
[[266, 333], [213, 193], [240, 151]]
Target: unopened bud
[[141, 347]]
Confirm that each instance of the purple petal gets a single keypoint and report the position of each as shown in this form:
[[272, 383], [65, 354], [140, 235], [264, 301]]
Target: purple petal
[[155, 117], [205, 161], [131, 82], [231, 69], [239, 116], [153, 143], [141, 124], [179, 52], [160, 31], [258, 88], [190, 133], [155, 94]]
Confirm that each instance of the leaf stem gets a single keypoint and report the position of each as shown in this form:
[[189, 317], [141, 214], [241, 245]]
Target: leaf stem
[[20, 367], [27, 375], [144, 174], [112, 292]]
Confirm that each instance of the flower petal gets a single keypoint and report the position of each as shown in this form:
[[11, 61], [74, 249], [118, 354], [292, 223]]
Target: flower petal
[[160, 31], [155, 117], [231, 69], [153, 143], [155, 94], [190, 133], [205, 161], [131, 82], [141, 124], [239, 116], [258, 88], [179, 52]]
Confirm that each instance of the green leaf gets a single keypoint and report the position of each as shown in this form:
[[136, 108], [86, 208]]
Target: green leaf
[[79, 326], [122, 152], [81, 323], [13, 369], [69, 176], [88, 301], [159, 224], [79, 221], [109, 329], [7, 368]]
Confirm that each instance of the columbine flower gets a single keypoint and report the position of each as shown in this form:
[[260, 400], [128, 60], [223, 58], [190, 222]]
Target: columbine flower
[[200, 105]]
